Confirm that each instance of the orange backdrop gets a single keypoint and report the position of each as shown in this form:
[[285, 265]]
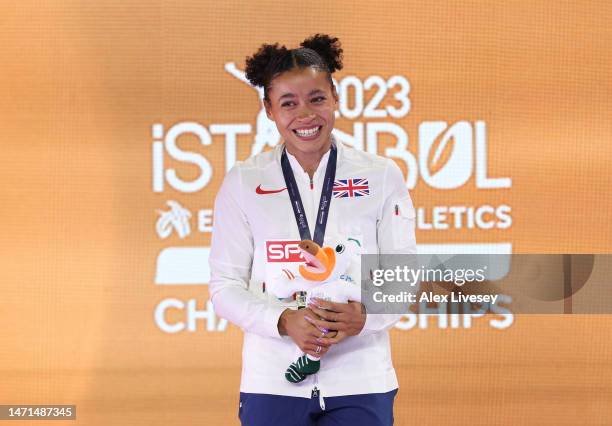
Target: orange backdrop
[[119, 120]]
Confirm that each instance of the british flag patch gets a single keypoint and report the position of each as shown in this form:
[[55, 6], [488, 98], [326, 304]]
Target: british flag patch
[[351, 188]]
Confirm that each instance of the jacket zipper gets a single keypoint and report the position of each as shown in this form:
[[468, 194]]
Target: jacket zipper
[[316, 392]]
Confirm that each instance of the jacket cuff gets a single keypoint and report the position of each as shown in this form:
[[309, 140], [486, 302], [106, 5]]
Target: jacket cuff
[[375, 323], [271, 318], [370, 325]]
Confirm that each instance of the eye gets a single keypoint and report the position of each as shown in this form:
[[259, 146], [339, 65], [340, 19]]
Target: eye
[[289, 103], [355, 241], [340, 248], [318, 99]]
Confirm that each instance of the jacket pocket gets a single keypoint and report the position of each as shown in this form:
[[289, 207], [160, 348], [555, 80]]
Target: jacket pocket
[[403, 223]]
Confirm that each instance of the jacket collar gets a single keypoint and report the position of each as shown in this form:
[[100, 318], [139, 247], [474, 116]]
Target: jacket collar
[[278, 151]]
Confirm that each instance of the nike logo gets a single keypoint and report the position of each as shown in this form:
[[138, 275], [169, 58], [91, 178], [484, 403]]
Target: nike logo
[[271, 191]]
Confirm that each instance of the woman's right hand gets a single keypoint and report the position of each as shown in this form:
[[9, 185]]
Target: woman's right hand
[[293, 324]]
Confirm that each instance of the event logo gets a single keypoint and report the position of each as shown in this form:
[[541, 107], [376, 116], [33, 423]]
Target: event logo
[[446, 156], [179, 265], [176, 219]]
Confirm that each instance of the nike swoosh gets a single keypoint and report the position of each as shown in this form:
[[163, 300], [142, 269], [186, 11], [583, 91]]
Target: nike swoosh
[[264, 191]]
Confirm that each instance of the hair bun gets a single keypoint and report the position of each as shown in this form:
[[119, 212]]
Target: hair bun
[[328, 48], [257, 64]]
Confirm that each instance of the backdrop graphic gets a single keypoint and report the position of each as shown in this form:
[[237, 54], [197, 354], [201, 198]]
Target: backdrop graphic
[[120, 119]]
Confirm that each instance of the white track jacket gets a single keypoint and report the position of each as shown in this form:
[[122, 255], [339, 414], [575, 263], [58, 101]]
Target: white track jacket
[[252, 211]]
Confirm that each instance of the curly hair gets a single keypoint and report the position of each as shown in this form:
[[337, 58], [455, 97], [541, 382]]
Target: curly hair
[[320, 51]]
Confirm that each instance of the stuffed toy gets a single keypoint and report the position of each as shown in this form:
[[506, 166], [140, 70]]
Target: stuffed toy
[[329, 273]]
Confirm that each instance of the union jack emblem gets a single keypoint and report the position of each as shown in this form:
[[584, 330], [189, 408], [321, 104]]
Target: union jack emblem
[[351, 188]]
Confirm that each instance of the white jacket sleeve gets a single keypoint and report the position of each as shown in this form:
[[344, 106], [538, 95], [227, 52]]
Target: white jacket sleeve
[[231, 257], [395, 233]]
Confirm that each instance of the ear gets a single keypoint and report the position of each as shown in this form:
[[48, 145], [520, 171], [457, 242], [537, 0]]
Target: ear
[[268, 108], [335, 95]]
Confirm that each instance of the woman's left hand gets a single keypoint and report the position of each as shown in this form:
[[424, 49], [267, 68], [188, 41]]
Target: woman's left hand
[[346, 318]]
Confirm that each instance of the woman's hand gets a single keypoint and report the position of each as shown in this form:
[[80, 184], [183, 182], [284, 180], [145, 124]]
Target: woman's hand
[[294, 323], [346, 318]]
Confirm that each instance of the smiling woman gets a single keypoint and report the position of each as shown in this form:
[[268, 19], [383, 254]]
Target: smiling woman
[[356, 194], [299, 95]]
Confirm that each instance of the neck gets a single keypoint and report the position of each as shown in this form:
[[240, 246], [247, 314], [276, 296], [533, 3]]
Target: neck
[[310, 160]]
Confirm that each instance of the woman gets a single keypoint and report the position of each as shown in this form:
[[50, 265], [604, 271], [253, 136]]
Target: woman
[[289, 193]]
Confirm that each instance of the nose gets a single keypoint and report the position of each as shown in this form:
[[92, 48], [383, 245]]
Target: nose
[[305, 114]]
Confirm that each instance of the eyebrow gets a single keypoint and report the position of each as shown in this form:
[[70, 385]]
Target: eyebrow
[[291, 95]]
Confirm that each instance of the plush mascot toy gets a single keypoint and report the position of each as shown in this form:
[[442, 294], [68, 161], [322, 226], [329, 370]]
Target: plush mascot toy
[[328, 273]]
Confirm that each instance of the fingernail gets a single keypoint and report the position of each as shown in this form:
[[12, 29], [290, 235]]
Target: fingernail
[[307, 317], [325, 331]]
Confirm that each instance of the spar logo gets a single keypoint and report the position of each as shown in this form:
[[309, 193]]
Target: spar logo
[[283, 251]]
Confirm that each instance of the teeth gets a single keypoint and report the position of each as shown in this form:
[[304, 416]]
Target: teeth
[[308, 132]]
